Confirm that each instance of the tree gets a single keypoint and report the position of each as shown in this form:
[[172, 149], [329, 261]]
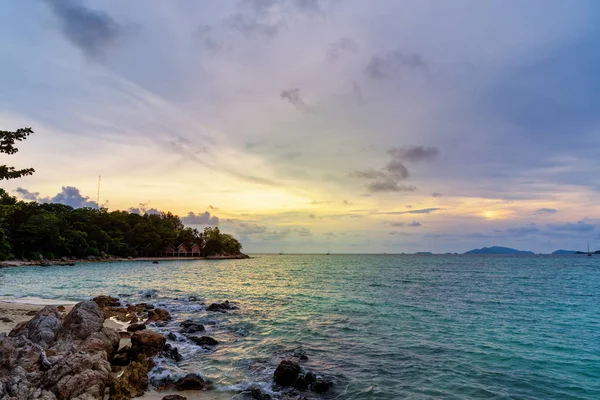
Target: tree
[[7, 146]]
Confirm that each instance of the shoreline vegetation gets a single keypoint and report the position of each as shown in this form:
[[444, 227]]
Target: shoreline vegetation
[[52, 233]]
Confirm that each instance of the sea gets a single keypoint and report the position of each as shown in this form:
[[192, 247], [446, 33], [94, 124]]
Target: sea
[[380, 326]]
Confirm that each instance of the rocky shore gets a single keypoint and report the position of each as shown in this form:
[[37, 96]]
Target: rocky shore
[[105, 348]]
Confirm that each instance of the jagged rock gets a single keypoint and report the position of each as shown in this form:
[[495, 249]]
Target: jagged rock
[[192, 328], [301, 383], [136, 327], [286, 373], [122, 357], [221, 307], [86, 317], [190, 382], [256, 393], [133, 382], [204, 341], [106, 301], [303, 357], [106, 339], [174, 397], [158, 314], [321, 385], [172, 352], [6, 319], [172, 336], [147, 342], [43, 329]]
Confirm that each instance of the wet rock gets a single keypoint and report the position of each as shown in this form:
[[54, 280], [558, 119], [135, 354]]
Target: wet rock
[[147, 342], [322, 385], [122, 357], [190, 382], [171, 336], [136, 327], [221, 307], [301, 383], [172, 352], [158, 314], [204, 341], [174, 397], [286, 373], [31, 313], [192, 298], [310, 377], [256, 393], [43, 329], [61, 309], [303, 358], [192, 328], [106, 301], [6, 319]]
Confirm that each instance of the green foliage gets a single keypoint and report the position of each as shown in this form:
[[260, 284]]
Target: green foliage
[[7, 146], [29, 230]]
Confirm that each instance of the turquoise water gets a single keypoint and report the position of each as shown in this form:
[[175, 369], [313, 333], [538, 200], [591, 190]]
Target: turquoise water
[[384, 327]]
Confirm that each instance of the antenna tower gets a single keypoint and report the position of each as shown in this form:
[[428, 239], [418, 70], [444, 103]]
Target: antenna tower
[[98, 195]]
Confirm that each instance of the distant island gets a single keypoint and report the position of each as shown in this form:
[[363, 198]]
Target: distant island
[[565, 252], [498, 250]]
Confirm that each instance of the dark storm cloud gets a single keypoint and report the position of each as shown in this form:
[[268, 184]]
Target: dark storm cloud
[[200, 219], [92, 31], [340, 46], [395, 65], [69, 195]]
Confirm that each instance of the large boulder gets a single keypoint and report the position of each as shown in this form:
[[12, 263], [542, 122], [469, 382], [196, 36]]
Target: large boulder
[[43, 329], [133, 382], [286, 373], [147, 342], [84, 319]]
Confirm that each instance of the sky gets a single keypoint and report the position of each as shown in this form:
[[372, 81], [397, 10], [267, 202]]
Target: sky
[[382, 126]]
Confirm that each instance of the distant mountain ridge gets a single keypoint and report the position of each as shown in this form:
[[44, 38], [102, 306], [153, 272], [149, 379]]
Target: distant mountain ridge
[[498, 250], [563, 252]]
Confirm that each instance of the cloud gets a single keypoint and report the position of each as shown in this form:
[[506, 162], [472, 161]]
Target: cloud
[[415, 153], [340, 46], [388, 178], [246, 229], [545, 211], [415, 224], [294, 97], [420, 211], [27, 195], [249, 26], [200, 219], [388, 185], [143, 210], [90, 30], [437, 194], [210, 207], [579, 226], [523, 230], [395, 65], [312, 216], [69, 195]]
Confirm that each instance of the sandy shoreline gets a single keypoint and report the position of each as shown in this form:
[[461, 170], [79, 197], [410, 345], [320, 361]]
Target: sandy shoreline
[[13, 312]]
